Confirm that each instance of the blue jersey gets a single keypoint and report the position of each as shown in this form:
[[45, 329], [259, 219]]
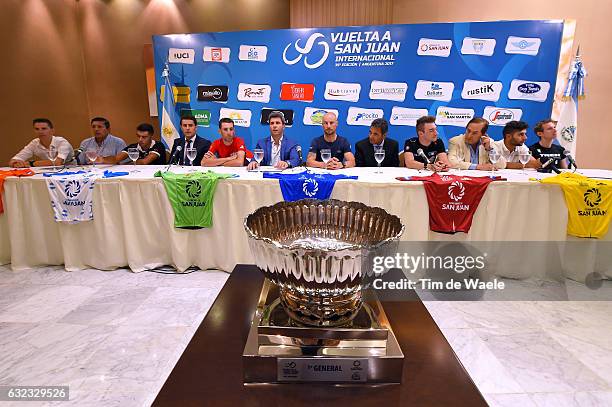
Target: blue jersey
[[306, 184]]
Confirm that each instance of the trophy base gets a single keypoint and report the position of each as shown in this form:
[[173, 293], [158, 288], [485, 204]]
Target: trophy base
[[281, 350]]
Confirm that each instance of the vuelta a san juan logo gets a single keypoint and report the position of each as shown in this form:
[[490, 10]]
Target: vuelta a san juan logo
[[592, 197], [193, 190], [319, 49], [310, 187], [72, 188], [456, 190]]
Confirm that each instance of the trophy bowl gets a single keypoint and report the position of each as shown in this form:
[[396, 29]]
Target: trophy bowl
[[314, 250]]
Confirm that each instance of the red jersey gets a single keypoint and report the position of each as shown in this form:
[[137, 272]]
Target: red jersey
[[452, 200], [223, 151], [11, 173]]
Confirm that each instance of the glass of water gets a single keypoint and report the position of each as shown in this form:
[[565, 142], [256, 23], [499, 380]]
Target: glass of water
[[379, 156], [493, 157], [191, 154], [326, 155], [92, 155], [258, 155], [524, 157], [53, 155], [133, 154]]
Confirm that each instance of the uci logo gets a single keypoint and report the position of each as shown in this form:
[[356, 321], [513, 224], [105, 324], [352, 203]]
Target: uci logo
[[193, 189], [181, 55], [72, 189], [592, 197], [305, 50]]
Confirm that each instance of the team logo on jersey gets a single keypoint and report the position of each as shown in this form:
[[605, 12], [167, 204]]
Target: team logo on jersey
[[193, 189], [592, 197], [310, 187], [456, 190], [72, 188]]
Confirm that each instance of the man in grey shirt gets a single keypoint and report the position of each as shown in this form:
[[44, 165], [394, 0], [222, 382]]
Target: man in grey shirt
[[105, 144]]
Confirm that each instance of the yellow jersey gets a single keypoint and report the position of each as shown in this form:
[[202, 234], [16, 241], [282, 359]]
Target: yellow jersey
[[588, 203]]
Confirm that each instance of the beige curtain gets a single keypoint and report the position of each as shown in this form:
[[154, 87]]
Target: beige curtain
[[325, 13]]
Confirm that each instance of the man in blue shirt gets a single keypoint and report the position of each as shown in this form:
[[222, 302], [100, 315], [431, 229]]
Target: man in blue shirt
[[105, 144], [470, 151], [341, 155], [279, 151]]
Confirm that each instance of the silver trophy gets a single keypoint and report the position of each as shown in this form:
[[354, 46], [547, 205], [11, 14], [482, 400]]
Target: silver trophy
[[314, 320]]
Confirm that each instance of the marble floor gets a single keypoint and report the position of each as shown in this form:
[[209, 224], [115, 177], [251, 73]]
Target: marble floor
[[114, 337]]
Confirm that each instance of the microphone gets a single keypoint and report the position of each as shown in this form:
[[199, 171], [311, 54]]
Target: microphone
[[298, 148], [76, 154], [173, 156], [549, 163], [421, 154], [569, 157]]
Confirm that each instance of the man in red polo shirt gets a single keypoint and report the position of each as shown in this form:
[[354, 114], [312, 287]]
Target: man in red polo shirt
[[228, 151]]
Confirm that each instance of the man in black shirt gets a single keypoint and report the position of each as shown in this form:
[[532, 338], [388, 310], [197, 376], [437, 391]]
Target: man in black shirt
[[364, 149], [341, 155], [428, 141], [150, 152], [545, 149]]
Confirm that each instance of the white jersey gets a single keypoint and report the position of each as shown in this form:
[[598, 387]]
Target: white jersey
[[72, 197]]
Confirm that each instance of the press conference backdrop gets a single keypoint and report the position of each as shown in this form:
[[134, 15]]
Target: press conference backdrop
[[502, 71]]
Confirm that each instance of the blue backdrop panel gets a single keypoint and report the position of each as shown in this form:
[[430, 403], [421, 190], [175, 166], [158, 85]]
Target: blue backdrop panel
[[503, 53]]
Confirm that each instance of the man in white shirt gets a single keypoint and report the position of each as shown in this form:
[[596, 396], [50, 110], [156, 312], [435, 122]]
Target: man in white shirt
[[513, 145], [36, 153]]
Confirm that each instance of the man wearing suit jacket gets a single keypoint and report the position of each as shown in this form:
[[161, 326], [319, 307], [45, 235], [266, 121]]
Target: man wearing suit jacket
[[470, 151], [189, 126], [279, 151], [364, 149]]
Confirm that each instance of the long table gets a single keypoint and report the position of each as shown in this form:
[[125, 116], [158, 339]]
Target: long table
[[133, 219]]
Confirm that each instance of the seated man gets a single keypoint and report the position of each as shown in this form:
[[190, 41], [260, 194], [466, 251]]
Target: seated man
[[545, 149], [105, 144], [150, 152], [40, 146], [512, 145], [426, 150], [470, 151], [189, 128], [341, 155], [364, 149], [279, 151], [228, 151]]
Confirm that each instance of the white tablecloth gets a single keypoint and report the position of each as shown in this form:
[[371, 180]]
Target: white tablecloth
[[133, 219]]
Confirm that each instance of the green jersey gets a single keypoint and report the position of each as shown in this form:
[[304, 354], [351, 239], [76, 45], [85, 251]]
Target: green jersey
[[191, 196]]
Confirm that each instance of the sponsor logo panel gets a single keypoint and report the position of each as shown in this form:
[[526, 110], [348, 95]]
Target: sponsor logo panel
[[265, 112], [181, 55], [302, 92], [395, 91], [313, 116], [358, 116], [522, 45], [248, 92], [499, 116], [453, 116], [348, 92], [442, 91], [478, 46], [256, 53], [182, 94], [216, 54], [241, 118], [528, 90], [481, 90], [201, 115], [404, 116], [436, 48], [213, 93]]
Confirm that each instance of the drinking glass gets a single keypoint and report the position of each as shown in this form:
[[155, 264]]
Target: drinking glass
[[326, 155], [53, 155], [92, 155], [524, 157], [191, 154], [493, 157], [133, 154], [379, 156], [258, 155]]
